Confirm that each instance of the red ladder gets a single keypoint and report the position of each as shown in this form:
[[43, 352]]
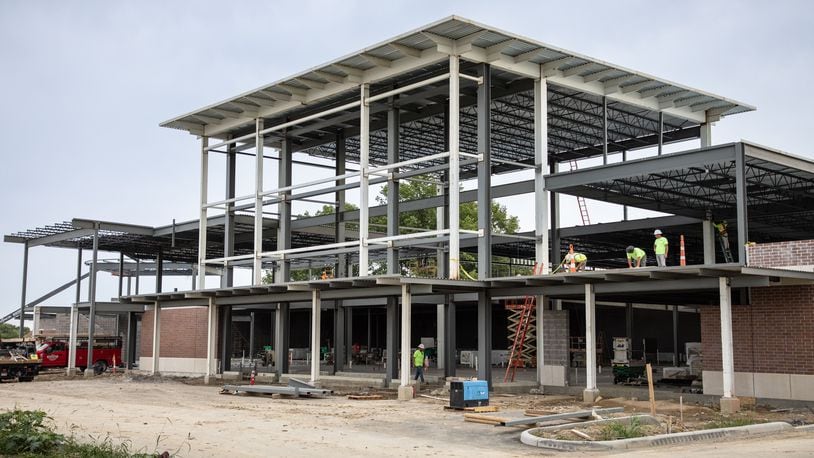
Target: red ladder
[[516, 357], [583, 207]]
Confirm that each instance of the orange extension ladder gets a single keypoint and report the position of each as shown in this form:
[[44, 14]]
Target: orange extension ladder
[[526, 310]]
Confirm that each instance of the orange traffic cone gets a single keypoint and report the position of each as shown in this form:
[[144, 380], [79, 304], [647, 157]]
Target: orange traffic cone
[[573, 263], [682, 260]]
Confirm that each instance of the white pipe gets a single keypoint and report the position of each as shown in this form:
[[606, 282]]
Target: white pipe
[[258, 205], [541, 254], [364, 181], [409, 87], [406, 313], [310, 117], [454, 170], [409, 162], [316, 311], [311, 183]]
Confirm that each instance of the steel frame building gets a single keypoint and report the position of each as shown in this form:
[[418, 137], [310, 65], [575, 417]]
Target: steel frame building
[[453, 102]]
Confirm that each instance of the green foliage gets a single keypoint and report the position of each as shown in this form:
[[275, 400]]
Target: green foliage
[[24, 431], [9, 331], [729, 423], [619, 430]]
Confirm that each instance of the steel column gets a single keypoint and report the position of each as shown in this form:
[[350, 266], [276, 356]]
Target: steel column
[[727, 358], [741, 202], [281, 334], [661, 132], [706, 134], [708, 231], [316, 338], [590, 339], [156, 339], [364, 179], [450, 363], [258, 204], [25, 281], [541, 198], [75, 316], [604, 129], [121, 274], [541, 303], [556, 255], [92, 292], [440, 327], [284, 225], [339, 224], [339, 337], [226, 340], [485, 337], [406, 322], [675, 335], [132, 329], [228, 276], [393, 216], [454, 169], [138, 275], [251, 335], [203, 216], [211, 340], [392, 344], [484, 172], [159, 271]]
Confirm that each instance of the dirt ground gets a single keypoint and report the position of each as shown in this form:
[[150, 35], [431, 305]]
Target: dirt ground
[[189, 419]]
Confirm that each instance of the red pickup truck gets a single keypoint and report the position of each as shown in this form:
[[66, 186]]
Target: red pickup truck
[[107, 351]]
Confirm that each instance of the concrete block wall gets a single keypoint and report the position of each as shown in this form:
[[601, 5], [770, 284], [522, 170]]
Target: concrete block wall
[[796, 255], [555, 337], [183, 333], [61, 324]]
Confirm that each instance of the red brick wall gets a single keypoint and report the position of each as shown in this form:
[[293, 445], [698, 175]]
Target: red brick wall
[[183, 333], [775, 334], [780, 254]]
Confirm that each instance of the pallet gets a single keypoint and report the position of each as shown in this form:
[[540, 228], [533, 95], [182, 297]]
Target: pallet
[[485, 419], [478, 409], [369, 397]]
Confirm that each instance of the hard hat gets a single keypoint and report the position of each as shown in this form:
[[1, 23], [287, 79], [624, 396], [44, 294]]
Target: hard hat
[[421, 346], [657, 232], [630, 249]]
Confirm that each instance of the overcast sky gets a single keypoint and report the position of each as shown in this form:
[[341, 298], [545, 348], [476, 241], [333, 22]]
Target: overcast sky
[[84, 85]]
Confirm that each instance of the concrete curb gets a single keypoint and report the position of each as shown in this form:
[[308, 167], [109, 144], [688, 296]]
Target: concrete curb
[[654, 441], [643, 419], [805, 428]]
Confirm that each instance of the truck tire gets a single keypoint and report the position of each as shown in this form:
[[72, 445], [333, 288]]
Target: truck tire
[[28, 378], [100, 367]]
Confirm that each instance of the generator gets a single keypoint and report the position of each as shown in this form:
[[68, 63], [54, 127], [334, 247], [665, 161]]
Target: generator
[[470, 393]]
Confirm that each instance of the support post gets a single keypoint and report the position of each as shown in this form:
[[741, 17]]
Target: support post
[[203, 217], [339, 224], [485, 173], [708, 231], [729, 403], [339, 337], [316, 338], [132, 329], [742, 202], [154, 370], [675, 335], [281, 339], [392, 344], [405, 391], [541, 302], [604, 129], [75, 316], [556, 244], [364, 179], [25, 282], [159, 271], [138, 274], [485, 337], [541, 198], [251, 335], [284, 226], [591, 392], [454, 169], [92, 292], [226, 340], [661, 132], [629, 321], [450, 363], [228, 276], [121, 274], [258, 204], [440, 344], [393, 216], [706, 134]]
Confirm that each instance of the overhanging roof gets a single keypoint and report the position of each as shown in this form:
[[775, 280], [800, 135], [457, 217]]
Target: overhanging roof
[[415, 54]]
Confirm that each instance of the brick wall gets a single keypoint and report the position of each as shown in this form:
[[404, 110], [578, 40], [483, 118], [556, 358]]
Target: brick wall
[[782, 254], [183, 333], [775, 334]]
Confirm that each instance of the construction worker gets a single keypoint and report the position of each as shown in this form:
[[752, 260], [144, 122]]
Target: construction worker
[[580, 260], [636, 255], [418, 362], [722, 233], [661, 247]]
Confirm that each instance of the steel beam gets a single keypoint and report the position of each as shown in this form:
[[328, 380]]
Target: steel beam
[[202, 219], [454, 169], [627, 226], [485, 337], [484, 174], [393, 216], [620, 170]]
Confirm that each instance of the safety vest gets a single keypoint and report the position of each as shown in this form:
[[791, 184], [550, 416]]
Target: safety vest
[[418, 358]]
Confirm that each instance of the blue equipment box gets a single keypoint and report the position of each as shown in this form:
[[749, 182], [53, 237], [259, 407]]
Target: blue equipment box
[[468, 394]]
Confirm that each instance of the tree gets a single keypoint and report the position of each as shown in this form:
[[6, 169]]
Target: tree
[[9, 331]]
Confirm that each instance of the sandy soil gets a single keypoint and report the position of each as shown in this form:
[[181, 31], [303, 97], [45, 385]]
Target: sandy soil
[[195, 420]]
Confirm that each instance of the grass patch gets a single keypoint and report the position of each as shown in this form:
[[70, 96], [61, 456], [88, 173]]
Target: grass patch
[[28, 433], [730, 423], [619, 430]]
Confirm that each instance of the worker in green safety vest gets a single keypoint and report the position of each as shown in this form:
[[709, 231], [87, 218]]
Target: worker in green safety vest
[[580, 260], [418, 362], [636, 255], [661, 247]]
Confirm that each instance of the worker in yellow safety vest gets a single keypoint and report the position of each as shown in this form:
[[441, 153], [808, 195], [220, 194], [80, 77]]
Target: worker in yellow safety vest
[[418, 362], [580, 260], [661, 247], [636, 255]]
